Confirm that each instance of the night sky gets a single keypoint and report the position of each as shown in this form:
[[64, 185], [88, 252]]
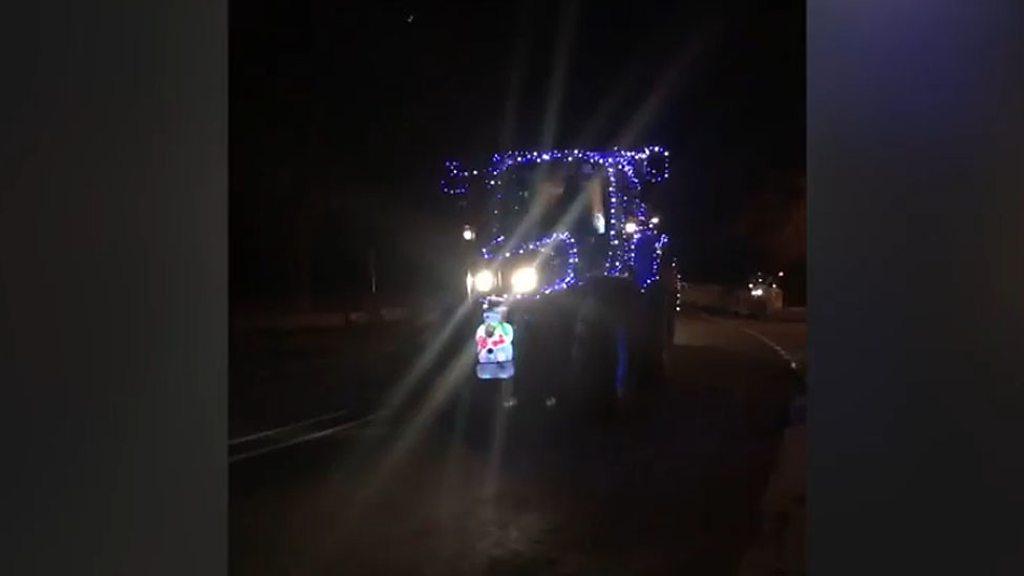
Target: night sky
[[343, 114]]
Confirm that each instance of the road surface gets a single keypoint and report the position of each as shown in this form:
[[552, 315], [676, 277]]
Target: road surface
[[459, 482]]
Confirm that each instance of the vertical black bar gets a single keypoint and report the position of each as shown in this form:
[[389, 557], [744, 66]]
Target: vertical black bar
[[113, 263], [916, 198]]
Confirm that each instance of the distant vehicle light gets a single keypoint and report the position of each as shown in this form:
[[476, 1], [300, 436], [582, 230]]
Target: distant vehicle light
[[483, 281], [524, 280], [468, 234], [631, 227], [781, 274], [756, 292], [751, 286]]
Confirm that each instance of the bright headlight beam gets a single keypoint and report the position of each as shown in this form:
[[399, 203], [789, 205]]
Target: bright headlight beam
[[483, 281], [524, 279]]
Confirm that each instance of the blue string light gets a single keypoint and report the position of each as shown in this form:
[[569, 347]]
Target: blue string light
[[546, 246], [659, 248], [624, 185]]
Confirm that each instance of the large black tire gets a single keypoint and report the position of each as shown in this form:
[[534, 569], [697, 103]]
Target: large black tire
[[659, 304], [617, 347]]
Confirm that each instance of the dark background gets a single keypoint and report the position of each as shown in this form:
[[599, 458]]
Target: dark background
[[343, 113]]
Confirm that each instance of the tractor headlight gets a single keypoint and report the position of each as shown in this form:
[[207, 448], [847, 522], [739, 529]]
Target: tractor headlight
[[524, 279], [483, 281]]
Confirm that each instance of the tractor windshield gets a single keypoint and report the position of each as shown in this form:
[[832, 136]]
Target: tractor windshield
[[532, 202]]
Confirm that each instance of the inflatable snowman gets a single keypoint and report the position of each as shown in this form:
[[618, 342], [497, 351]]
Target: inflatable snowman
[[494, 346]]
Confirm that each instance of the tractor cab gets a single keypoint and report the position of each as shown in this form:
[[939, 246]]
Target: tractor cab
[[554, 232]]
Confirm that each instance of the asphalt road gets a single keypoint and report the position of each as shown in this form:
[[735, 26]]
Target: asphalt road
[[279, 377], [456, 481]]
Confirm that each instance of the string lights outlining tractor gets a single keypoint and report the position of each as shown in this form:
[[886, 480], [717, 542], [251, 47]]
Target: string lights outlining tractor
[[545, 231]]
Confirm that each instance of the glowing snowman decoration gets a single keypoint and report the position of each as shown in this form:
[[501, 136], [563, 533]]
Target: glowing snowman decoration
[[494, 346]]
